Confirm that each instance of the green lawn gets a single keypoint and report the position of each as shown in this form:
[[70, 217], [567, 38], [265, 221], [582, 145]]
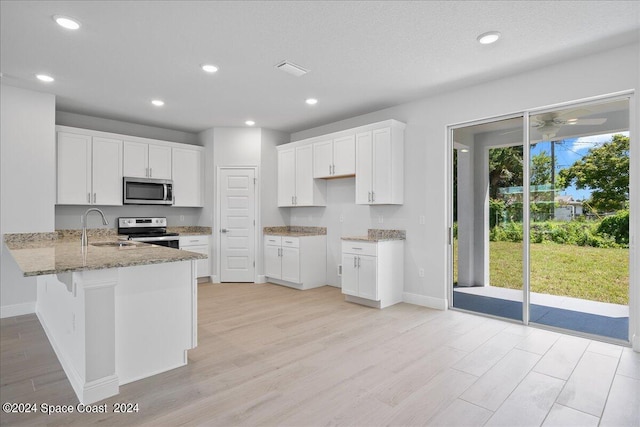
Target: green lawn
[[595, 274]]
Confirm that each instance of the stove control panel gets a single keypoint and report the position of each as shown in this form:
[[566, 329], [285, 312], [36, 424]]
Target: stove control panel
[[142, 222]]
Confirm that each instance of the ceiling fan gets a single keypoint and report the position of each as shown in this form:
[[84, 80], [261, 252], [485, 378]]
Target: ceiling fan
[[548, 124]]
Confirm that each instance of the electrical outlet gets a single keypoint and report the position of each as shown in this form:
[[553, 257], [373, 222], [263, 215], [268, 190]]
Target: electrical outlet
[[380, 219], [341, 218], [181, 218], [423, 220], [421, 272]]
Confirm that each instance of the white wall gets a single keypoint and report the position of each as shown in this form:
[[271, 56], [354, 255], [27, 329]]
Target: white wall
[[125, 128], [27, 184], [425, 159]]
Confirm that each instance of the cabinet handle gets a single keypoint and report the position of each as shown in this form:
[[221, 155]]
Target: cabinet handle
[[88, 197], [334, 169], [329, 169], [373, 196], [355, 261], [296, 200], [357, 249], [94, 197], [292, 200], [358, 262], [368, 196], [150, 172]]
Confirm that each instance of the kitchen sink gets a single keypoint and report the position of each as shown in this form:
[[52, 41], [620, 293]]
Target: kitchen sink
[[120, 244]]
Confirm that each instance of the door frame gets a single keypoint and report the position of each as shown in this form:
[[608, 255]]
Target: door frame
[[216, 231], [634, 204]]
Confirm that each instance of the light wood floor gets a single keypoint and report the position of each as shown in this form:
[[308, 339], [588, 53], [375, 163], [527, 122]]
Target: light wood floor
[[270, 355]]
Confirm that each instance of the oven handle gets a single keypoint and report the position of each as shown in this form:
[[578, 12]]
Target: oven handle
[[154, 239], [164, 186]]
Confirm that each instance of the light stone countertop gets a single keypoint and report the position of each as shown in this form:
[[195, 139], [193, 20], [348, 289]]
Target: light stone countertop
[[294, 231], [39, 254], [378, 235]]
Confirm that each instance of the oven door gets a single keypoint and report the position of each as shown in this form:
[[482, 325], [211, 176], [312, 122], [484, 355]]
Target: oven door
[[146, 191], [167, 241]]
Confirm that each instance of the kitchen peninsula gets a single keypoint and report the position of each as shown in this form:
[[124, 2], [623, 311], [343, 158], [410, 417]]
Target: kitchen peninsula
[[115, 313]]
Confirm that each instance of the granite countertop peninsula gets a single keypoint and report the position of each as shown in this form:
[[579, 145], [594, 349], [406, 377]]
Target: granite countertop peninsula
[[295, 231], [379, 235], [39, 254]]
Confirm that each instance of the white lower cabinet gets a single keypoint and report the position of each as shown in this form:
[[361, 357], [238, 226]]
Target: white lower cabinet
[[198, 244], [373, 272], [298, 262]]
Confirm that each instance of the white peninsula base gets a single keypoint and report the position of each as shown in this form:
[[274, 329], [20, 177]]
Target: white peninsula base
[[114, 326]]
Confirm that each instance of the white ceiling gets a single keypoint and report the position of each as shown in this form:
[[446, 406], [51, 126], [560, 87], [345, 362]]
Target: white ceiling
[[363, 56]]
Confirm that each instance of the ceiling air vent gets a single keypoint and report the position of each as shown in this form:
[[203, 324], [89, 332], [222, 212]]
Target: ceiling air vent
[[292, 68]]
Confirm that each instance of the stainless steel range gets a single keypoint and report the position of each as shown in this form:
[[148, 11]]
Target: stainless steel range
[[148, 230]]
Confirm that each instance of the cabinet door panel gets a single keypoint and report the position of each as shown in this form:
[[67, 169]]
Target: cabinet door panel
[[322, 159], [74, 169], [159, 161], [136, 159], [382, 178], [304, 176], [290, 264], [367, 277], [272, 263], [286, 177], [187, 177], [107, 171], [344, 156], [364, 161], [349, 274]]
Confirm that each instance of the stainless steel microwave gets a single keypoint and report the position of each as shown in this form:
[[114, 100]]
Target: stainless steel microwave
[[147, 191]]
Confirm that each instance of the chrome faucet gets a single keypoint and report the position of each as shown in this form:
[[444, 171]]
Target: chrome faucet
[[84, 240]]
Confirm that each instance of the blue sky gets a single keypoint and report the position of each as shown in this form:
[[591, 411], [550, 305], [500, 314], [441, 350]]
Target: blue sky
[[570, 150]]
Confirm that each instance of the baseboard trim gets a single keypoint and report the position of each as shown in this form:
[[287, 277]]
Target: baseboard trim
[[425, 301], [214, 279], [17, 309], [261, 278], [635, 343], [87, 392]]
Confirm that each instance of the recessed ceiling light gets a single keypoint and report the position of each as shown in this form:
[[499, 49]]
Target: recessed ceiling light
[[311, 101], [157, 102], [249, 123], [489, 37], [464, 150], [66, 22], [44, 78], [209, 68]]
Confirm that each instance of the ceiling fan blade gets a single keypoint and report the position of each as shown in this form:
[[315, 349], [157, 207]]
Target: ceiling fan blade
[[572, 114], [597, 121]]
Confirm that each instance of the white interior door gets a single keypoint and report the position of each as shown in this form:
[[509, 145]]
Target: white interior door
[[237, 224]]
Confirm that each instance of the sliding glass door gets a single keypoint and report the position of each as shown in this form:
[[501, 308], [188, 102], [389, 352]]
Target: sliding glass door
[[488, 197], [579, 218], [540, 218]]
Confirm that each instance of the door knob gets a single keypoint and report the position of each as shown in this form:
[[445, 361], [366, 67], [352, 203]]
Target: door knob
[[224, 230]]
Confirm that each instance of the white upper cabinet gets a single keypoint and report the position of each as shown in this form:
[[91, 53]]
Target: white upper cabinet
[[89, 170], [107, 171], [91, 165], [144, 160], [187, 177], [334, 158], [379, 166], [296, 186], [374, 153]]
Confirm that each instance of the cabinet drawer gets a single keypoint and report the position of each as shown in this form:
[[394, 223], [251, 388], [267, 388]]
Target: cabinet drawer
[[290, 242], [360, 248], [193, 240], [273, 240]]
